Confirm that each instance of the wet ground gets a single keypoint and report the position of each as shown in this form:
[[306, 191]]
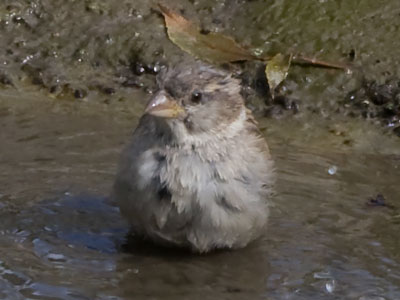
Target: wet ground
[[84, 47], [74, 76]]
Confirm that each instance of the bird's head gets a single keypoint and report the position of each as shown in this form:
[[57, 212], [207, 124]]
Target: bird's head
[[197, 96]]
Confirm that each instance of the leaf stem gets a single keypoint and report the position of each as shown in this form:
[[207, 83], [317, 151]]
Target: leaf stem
[[300, 59]]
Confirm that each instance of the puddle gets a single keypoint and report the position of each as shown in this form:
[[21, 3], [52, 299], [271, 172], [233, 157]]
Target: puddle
[[62, 239]]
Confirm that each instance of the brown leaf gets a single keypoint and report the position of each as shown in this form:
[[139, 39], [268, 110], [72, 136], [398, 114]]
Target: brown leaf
[[277, 70], [214, 47]]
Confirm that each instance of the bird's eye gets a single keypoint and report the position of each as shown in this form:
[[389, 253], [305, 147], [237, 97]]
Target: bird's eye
[[196, 97]]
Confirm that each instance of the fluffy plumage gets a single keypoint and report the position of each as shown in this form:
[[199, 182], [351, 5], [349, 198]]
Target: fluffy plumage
[[197, 172]]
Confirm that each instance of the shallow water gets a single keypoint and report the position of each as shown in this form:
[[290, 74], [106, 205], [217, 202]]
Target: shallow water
[[61, 239]]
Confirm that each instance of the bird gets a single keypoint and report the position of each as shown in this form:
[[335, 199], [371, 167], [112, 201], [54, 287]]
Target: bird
[[196, 173]]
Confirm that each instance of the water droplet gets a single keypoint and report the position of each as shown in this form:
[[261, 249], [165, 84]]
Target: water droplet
[[330, 286], [332, 170], [28, 58], [258, 52]]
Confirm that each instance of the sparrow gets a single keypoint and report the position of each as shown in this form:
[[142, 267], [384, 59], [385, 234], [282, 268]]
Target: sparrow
[[197, 173]]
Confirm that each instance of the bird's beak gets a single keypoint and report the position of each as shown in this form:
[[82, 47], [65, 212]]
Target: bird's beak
[[162, 106]]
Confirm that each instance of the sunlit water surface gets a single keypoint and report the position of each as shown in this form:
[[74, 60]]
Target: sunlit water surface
[[61, 238]]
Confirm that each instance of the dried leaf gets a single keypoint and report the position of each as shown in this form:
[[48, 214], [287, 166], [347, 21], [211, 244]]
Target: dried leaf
[[277, 70], [214, 47]]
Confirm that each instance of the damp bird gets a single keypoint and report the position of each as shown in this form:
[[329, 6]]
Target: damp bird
[[196, 173]]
